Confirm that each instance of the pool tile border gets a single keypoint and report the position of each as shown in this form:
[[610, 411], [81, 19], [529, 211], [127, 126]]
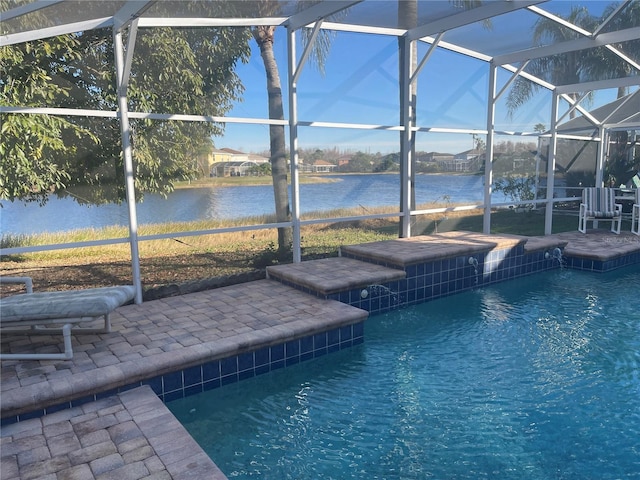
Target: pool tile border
[[225, 371], [598, 265], [423, 282], [446, 276]]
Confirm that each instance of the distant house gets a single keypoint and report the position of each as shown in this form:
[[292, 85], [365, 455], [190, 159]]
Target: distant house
[[436, 157], [344, 160], [232, 163], [468, 161], [232, 169], [322, 166]]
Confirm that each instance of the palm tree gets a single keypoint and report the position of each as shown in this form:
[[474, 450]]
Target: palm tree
[[264, 37], [562, 69], [575, 67], [601, 63]]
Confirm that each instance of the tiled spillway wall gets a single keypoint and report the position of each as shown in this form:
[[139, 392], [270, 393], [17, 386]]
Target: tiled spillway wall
[[447, 276]]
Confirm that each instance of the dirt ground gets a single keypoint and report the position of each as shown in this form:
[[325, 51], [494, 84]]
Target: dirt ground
[[161, 276]]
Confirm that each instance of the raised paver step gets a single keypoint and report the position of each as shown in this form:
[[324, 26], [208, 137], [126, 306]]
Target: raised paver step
[[424, 248], [166, 335], [333, 275]]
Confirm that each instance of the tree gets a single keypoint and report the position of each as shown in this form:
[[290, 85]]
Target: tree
[[29, 140], [585, 65], [264, 37], [575, 67], [601, 63], [174, 70], [556, 69]]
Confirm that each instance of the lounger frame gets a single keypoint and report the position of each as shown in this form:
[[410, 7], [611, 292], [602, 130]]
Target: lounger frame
[[66, 325]]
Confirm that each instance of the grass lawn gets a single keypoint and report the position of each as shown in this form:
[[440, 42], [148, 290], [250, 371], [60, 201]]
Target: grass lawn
[[233, 257]]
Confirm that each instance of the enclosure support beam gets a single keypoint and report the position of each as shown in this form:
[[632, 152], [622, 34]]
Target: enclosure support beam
[[602, 153], [551, 164], [488, 160], [129, 174], [293, 73], [407, 146]]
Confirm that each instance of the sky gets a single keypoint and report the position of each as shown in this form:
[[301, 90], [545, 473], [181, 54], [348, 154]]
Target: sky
[[360, 86]]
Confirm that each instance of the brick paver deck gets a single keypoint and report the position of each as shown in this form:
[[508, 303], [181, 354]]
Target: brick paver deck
[[132, 435]]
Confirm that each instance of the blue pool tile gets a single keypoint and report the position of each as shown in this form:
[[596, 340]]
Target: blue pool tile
[[229, 379], [59, 407], [228, 366], [365, 304], [333, 337], [211, 370], [292, 361], [375, 305], [277, 353], [6, 421], [320, 340], [245, 361], [358, 330], [261, 357], [155, 383], [320, 352], [306, 344], [212, 384], [411, 271], [172, 381], [346, 333], [277, 365], [29, 415], [193, 390], [82, 400], [292, 349], [175, 395], [411, 296], [245, 374], [192, 376]]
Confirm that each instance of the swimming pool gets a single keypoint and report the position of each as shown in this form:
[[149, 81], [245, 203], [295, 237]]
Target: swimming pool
[[536, 378]]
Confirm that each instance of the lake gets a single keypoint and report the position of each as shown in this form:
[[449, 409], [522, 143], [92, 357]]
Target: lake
[[187, 204]]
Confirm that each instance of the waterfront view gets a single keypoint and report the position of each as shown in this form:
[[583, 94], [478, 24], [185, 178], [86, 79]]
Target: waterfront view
[[228, 202]]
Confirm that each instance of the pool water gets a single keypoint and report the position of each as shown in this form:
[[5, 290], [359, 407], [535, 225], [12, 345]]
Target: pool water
[[538, 378]]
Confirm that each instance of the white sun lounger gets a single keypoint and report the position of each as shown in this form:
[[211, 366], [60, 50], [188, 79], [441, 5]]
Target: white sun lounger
[[60, 311]]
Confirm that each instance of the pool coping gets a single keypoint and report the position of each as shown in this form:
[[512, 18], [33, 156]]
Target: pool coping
[[192, 309]]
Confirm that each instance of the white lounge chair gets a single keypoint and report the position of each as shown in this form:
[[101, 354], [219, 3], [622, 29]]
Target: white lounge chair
[[52, 312], [635, 214], [598, 204]]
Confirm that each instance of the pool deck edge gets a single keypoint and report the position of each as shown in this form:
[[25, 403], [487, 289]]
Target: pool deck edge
[[132, 434]]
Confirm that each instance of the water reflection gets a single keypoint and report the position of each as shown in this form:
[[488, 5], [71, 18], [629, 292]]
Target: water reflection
[[223, 203]]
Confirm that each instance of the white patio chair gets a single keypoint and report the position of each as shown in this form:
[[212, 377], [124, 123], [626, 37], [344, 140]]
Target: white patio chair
[[635, 214], [598, 204]]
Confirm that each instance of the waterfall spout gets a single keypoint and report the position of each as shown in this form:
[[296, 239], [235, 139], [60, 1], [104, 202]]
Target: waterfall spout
[[473, 261], [555, 254]]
